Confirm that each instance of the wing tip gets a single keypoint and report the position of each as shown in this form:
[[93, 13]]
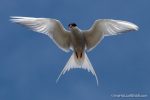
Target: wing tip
[[20, 18], [14, 18], [130, 25], [133, 26], [136, 28]]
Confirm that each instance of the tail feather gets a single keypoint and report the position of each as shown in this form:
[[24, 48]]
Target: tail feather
[[83, 63], [87, 64]]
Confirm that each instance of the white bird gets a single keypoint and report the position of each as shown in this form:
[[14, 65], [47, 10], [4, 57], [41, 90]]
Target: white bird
[[79, 41]]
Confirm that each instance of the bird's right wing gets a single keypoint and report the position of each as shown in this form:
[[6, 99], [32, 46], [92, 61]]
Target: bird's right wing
[[51, 27], [106, 27]]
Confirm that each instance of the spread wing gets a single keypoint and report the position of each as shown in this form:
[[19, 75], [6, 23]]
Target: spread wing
[[51, 27], [106, 27]]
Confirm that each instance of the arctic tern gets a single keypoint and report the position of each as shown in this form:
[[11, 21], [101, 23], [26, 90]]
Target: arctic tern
[[79, 41]]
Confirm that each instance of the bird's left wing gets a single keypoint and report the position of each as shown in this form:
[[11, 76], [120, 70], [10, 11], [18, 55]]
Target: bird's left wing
[[51, 27], [106, 27]]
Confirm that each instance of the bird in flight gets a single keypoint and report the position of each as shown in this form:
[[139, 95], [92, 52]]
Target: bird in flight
[[75, 39]]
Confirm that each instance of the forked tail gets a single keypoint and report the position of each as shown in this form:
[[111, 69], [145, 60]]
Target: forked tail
[[83, 63]]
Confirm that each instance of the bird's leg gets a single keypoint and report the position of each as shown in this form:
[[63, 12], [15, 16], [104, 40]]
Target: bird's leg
[[81, 55], [77, 55]]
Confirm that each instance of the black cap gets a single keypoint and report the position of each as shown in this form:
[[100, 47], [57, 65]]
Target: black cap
[[72, 24]]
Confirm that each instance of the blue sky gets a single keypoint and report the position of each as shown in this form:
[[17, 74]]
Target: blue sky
[[30, 62]]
